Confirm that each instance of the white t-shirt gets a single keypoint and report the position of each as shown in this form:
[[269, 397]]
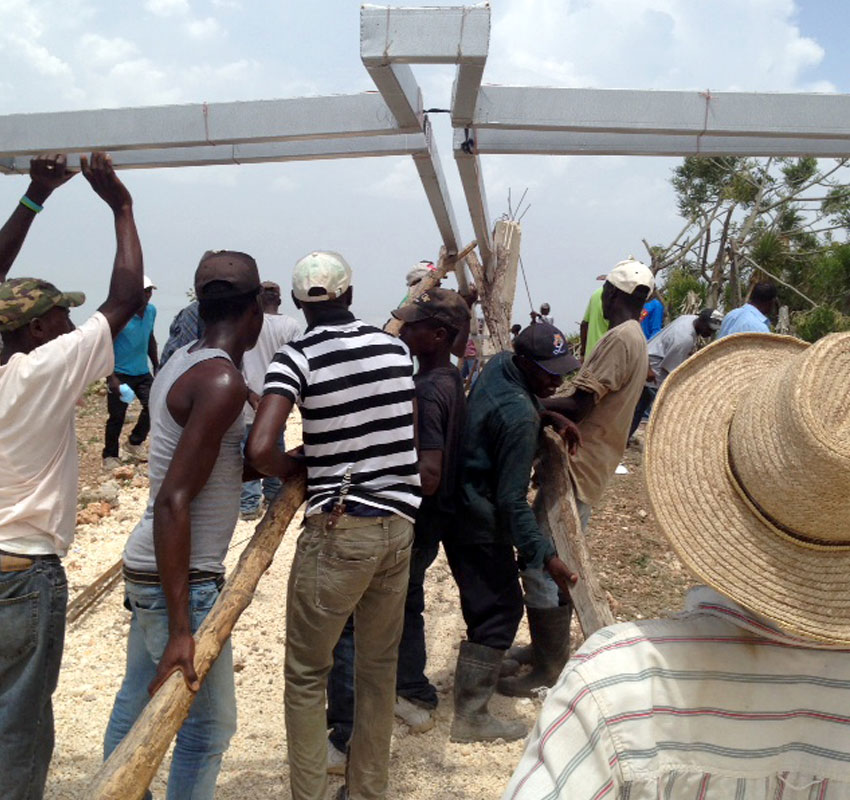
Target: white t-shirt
[[277, 331], [38, 442]]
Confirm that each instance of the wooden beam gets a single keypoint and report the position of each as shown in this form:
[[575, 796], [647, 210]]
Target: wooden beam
[[133, 764], [93, 592], [557, 515]]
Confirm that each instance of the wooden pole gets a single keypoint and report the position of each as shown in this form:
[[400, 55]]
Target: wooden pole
[[557, 515], [445, 263], [92, 593], [131, 767]]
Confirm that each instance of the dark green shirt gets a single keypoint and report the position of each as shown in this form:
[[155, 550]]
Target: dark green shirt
[[500, 440]]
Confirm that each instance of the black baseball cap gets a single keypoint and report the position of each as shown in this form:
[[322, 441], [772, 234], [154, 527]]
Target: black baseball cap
[[547, 347], [226, 273]]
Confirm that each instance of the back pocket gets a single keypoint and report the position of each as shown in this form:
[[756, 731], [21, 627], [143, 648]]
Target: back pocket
[[340, 582], [18, 627]]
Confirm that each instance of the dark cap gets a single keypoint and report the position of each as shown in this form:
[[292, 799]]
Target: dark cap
[[712, 318], [547, 347], [226, 273], [443, 305], [25, 299]]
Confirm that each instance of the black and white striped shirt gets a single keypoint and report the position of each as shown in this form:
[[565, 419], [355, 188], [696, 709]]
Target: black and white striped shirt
[[354, 386]]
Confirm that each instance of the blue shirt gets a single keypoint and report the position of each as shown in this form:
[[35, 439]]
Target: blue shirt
[[746, 319], [131, 345], [652, 317]]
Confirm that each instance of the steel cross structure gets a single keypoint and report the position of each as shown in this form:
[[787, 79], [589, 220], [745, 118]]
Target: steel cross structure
[[486, 120]]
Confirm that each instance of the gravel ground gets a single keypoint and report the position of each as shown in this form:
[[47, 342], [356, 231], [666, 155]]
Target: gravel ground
[[635, 566]]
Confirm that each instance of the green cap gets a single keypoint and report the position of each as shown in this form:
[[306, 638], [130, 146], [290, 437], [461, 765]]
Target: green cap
[[23, 299]]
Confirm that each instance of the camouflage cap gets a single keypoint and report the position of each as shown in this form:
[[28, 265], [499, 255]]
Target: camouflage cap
[[23, 299]]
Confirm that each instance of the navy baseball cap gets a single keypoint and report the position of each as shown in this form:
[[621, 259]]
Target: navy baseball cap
[[547, 347]]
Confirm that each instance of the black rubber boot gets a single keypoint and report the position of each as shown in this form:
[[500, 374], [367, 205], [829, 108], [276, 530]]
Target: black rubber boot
[[550, 642], [516, 656], [475, 679]]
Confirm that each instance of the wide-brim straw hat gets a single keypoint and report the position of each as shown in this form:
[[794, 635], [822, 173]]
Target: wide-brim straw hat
[[748, 469]]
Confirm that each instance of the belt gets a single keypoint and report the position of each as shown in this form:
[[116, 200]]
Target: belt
[[347, 520], [9, 562], [152, 578]]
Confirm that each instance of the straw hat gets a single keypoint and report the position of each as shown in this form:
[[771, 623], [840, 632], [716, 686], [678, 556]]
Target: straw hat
[[748, 470]]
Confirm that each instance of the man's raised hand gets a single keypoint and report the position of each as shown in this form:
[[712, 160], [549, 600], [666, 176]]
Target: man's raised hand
[[100, 174], [46, 174]]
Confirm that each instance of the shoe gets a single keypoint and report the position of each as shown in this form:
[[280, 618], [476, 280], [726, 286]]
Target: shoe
[[341, 793], [111, 463], [417, 718], [336, 760], [252, 513], [515, 658], [550, 643], [475, 680], [135, 452]]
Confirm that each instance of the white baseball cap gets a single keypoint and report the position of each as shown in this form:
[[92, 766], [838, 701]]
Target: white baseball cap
[[321, 275], [148, 283], [629, 275]]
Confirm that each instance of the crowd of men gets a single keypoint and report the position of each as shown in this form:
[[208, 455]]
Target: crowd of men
[[397, 463]]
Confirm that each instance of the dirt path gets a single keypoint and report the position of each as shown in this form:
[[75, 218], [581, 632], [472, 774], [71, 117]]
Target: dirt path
[[636, 567]]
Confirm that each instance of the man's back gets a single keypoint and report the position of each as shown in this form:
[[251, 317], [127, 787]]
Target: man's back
[[672, 345], [714, 704], [746, 319], [131, 344], [354, 386]]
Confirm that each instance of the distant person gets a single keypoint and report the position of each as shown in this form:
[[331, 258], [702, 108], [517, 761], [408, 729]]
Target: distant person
[[753, 316], [174, 557], [543, 316], [601, 401], [186, 327], [669, 348], [415, 274], [134, 346], [277, 330], [515, 330], [354, 385], [45, 368], [652, 317], [593, 327], [743, 694], [495, 524]]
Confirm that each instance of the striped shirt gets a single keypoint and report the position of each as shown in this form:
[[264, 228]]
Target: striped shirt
[[354, 386], [714, 703]]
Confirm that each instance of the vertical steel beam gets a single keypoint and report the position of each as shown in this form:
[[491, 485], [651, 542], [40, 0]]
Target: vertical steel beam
[[469, 167]]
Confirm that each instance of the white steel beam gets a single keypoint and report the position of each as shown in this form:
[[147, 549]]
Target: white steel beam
[[448, 35], [397, 85], [393, 145], [567, 143], [655, 112], [199, 124], [469, 167]]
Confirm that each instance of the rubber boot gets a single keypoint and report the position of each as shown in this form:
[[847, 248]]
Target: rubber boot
[[475, 679], [550, 641], [516, 656]]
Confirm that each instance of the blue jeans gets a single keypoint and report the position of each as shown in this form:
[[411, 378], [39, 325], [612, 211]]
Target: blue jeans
[[411, 682], [211, 723], [32, 634], [268, 487], [540, 591]]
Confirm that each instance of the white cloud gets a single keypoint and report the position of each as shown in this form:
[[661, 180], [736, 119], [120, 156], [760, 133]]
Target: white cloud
[[37, 57], [100, 51], [167, 8], [204, 29]]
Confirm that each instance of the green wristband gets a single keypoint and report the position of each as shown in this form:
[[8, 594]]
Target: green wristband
[[31, 204]]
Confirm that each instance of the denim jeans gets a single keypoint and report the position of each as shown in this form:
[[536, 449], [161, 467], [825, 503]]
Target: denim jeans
[[211, 723], [268, 487], [540, 591], [411, 682], [32, 634], [360, 567]]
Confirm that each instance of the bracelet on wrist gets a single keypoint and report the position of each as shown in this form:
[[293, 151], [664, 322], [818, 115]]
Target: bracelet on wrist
[[31, 205]]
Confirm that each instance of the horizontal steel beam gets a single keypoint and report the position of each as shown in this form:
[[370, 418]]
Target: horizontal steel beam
[[324, 149], [449, 35], [805, 116], [199, 124], [521, 142]]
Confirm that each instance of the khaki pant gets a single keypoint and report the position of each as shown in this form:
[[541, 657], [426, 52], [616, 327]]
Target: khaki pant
[[361, 566]]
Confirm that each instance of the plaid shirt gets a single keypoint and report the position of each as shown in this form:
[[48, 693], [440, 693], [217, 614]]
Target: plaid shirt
[[714, 703]]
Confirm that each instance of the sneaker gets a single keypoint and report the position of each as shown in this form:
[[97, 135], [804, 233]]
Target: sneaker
[[251, 513], [416, 718], [336, 760], [111, 463], [135, 452], [342, 793]]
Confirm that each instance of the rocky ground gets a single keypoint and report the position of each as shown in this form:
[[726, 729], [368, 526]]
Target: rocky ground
[[635, 566]]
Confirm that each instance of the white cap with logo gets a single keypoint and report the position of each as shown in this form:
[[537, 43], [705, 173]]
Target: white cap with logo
[[631, 274], [320, 275]]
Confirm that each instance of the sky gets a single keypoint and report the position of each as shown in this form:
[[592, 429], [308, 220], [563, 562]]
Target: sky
[[585, 212]]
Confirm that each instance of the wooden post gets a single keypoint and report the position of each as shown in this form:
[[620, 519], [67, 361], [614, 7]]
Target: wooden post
[[557, 515], [92, 593], [444, 263], [132, 765]]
